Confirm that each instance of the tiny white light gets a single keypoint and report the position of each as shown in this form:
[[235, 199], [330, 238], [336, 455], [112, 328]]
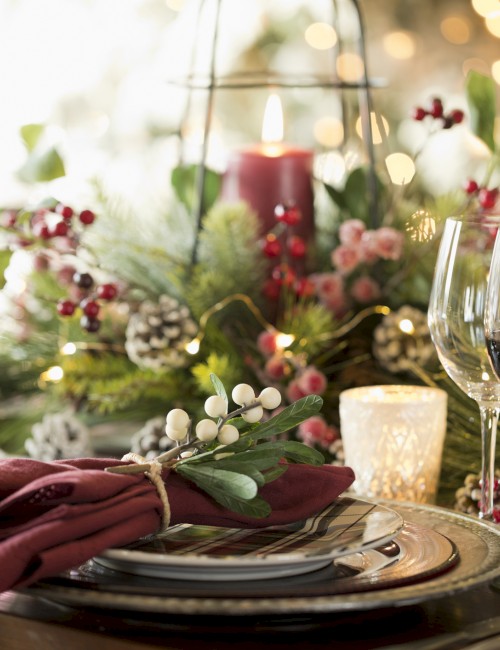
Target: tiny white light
[[284, 340], [406, 326], [193, 346], [485, 376], [54, 374], [68, 349]]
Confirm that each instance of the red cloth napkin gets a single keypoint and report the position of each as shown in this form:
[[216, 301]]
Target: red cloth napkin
[[54, 516]]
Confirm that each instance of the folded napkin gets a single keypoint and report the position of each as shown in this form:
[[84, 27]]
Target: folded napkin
[[54, 516]]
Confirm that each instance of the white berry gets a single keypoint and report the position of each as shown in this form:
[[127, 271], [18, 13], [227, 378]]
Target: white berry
[[186, 454], [215, 406], [270, 398], [253, 415], [228, 434], [175, 434], [206, 430], [177, 419], [243, 394]]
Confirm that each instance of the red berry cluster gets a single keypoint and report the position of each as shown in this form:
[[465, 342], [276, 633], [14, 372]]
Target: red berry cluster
[[46, 223], [88, 303], [436, 111], [487, 197], [289, 250]]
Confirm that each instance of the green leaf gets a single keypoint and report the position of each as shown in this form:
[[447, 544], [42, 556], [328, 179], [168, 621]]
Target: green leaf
[[31, 134], [256, 507], [301, 453], [289, 418], [41, 167], [241, 467], [219, 481], [275, 472], [337, 196], [185, 183], [4, 263], [481, 98], [219, 387]]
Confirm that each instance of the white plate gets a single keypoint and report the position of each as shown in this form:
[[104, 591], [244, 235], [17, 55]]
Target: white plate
[[190, 552]]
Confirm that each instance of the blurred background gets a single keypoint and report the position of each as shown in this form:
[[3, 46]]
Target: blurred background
[[96, 73]]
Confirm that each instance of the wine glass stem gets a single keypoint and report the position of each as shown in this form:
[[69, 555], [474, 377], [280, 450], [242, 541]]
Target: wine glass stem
[[489, 423]]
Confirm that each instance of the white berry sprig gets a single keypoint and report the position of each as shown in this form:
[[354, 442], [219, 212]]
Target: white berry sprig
[[217, 426]]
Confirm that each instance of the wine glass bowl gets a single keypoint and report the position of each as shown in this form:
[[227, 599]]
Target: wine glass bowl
[[456, 318]]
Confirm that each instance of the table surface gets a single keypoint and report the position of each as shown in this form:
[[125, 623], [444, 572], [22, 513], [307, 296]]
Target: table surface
[[32, 623], [457, 617]]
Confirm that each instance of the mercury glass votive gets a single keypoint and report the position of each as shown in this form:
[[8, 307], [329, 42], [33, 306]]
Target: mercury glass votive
[[393, 439]]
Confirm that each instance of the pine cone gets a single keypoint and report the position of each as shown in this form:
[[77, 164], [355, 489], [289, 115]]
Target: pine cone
[[398, 349], [58, 436], [468, 496], [151, 441], [156, 335]]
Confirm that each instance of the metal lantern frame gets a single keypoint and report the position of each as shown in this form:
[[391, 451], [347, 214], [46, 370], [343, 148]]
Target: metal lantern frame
[[213, 82]]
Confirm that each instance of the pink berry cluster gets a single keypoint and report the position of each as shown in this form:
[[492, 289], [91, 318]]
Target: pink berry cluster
[[316, 432], [88, 296], [287, 252], [486, 197], [359, 248], [436, 112], [279, 367]]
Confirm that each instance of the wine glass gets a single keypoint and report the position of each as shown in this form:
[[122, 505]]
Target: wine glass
[[456, 321]]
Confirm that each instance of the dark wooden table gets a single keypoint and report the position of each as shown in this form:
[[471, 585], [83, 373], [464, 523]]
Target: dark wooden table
[[28, 623]]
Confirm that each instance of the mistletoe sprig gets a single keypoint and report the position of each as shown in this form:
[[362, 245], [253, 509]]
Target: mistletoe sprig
[[230, 455]]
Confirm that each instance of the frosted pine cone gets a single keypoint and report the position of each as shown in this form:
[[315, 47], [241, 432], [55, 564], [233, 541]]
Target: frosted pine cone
[[156, 335], [58, 436], [402, 340], [151, 440], [468, 496]]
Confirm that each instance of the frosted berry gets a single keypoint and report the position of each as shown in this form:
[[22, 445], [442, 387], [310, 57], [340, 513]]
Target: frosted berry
[[270, 398], [206, 430], [436, 109], [175, 434], [488, 198], [297, 246], [90, 308], [215, 406], [107, 291], [65, 211], [41, 229], [177, 419], [66, 308], [287, 213], [457, 116], [83, 280], [419, 113], [271, 246], [228, 434], [304, 288], [254, 414], [243, 394], [271, 289], [87, 217], [90, 324], [471, 187], [60, 229], [266, 342]]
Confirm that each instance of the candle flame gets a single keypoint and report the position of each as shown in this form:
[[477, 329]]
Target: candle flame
[[272, 125]]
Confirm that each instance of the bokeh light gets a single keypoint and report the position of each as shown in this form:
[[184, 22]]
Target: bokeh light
[[399, 45], [321, 36], [492, 23], [455, 29], [350, 67], [329, 131], [495, 71], [400, 167], [376, 122], [485, 7]]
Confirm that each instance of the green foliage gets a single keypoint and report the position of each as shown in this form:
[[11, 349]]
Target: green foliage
[[310, 323], [233, 477], [185, 179], [4, 263], [42, 166], [353, 200], [31, 134], [229, 260], [481, 97], [220, 365]]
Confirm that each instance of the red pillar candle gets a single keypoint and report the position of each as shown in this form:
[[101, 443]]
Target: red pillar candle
[[267, 174]]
